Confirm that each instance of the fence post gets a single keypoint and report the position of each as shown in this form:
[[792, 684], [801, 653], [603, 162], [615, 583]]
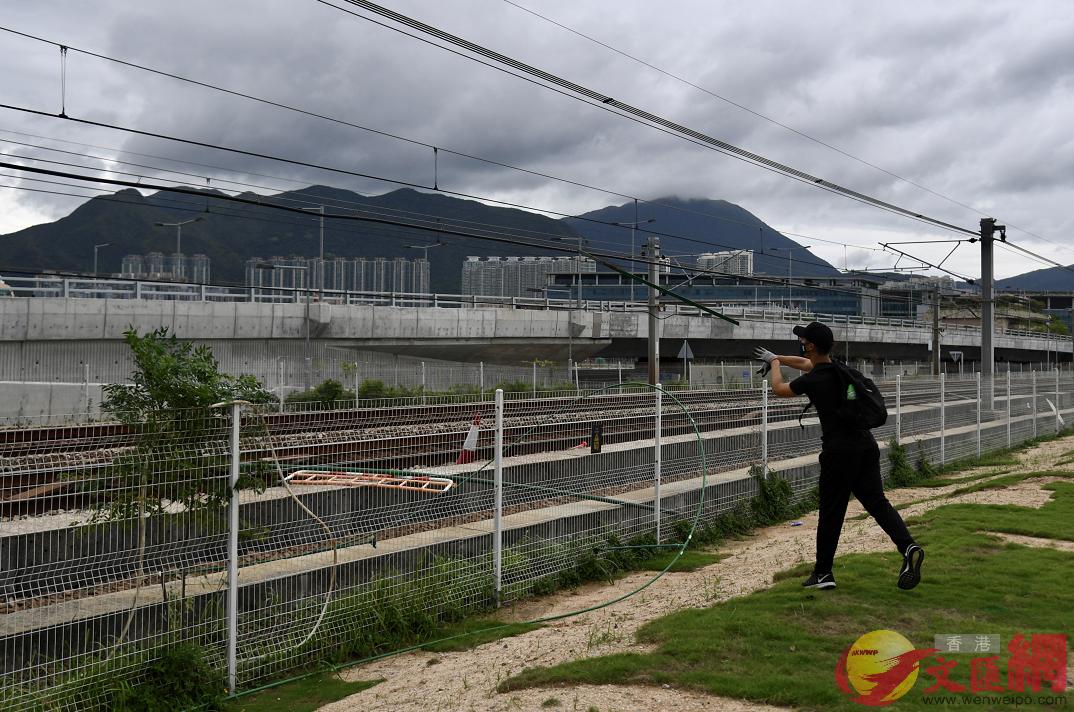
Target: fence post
[[423, 382], [620, 368], [481, 377], [657, 433], [1008, 406], [279, 380], [534, 379], [233, 551], [898, 408], [1034, 375], [497, 496], [764, 426], [1057, 400], [977, 377], [943, 417]]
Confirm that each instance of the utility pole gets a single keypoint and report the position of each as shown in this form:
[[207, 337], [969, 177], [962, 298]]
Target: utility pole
[[653, 253], [936, 329], [988, 310]]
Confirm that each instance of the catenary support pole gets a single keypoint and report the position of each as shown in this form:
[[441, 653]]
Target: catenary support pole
[[653, 254], [977, 378], [936, 330], [988, 307]]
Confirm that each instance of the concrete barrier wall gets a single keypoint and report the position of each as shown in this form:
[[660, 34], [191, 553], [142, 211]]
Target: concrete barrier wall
[[32, 402]]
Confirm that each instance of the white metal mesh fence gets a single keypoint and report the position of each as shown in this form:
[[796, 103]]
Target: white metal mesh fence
[[116, 537]]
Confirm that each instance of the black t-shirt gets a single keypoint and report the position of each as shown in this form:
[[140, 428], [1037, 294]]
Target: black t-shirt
[[825, 388]]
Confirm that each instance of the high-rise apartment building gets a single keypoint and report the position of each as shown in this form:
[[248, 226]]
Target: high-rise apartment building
[[176, 268], [517, 276], [380, 274], [738, 263]]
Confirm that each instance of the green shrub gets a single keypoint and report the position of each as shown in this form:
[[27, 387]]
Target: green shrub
[[902, 474], [326, 393], [773, 502]]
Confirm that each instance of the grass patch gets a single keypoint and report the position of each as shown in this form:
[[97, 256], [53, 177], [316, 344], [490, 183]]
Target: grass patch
[[472, 632], [303, 695], [780, 645], [1008, 480], [689, 561]]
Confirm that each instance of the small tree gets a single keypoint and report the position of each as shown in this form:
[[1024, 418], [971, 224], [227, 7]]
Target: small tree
[[179, 455]]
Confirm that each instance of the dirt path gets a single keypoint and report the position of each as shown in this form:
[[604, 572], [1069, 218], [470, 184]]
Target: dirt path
[[427, 682]]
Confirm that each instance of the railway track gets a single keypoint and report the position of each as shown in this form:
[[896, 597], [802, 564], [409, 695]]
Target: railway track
[[40, 467]]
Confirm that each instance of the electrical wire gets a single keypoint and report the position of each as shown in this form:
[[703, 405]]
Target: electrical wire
[[439, 227], [747, 109], [413, 141], [641, 116], [348, 172]]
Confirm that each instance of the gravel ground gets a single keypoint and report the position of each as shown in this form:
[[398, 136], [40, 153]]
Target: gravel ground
[[467, 681]]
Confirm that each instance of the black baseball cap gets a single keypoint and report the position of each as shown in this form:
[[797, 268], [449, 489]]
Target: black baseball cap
[[817, 333]]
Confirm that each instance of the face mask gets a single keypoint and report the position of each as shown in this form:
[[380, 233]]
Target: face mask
[[801, 348]]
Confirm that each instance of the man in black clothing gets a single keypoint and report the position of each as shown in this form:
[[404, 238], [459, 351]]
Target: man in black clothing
[[849, 456]]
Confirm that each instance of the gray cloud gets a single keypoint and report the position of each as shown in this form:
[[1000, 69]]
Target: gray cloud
[[973, 101]]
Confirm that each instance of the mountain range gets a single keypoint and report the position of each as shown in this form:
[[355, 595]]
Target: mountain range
[[231, 233]]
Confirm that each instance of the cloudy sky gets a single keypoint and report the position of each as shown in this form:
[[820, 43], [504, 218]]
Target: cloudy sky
[[973, 101]]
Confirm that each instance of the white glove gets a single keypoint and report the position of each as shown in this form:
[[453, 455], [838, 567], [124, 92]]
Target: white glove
[[764, 354]]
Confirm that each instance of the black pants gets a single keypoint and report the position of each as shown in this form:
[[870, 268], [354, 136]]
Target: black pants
[[853, 467]]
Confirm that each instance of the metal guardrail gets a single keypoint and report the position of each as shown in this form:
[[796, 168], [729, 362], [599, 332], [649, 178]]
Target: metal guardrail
[[89, 288]]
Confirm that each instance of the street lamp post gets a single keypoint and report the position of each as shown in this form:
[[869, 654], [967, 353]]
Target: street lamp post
[[309, 359], [178, 242], [633, 228], [95, 248]]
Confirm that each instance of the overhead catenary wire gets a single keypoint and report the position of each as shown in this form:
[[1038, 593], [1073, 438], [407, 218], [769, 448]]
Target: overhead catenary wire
[[642, 116], [436, 149], [462, 154], [348, 172], [754, 112]]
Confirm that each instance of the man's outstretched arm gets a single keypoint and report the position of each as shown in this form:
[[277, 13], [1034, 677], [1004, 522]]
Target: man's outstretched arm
[[781, 389]]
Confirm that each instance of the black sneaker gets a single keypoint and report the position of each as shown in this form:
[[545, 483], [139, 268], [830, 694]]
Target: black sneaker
[[910, 575], [816, 580]]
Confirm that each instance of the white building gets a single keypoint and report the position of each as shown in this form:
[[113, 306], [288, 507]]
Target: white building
[[517, 276], [738, 263], [380, 274]]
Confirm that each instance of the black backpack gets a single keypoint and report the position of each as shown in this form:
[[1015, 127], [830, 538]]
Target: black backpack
[[862, 406]]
